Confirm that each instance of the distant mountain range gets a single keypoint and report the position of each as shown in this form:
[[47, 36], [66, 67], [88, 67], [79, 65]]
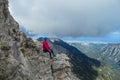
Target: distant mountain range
[[111, 54], [101, 51], [107, 53]]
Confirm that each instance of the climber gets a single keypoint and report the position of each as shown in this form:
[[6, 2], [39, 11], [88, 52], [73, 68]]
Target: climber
[[46, 48]]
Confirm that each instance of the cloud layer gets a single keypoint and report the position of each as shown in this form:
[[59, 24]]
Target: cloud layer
[[68, 17]]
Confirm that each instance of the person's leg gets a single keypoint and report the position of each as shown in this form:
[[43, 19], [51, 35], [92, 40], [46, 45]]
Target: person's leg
[[52, 52], [49, 53]]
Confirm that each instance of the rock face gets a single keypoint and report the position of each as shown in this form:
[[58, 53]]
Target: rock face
[[21, 58]]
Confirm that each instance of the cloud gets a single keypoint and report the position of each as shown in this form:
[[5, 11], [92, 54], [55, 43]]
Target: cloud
[[73, 18]]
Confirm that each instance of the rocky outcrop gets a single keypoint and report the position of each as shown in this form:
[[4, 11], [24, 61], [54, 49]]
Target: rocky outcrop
[[61, 67], [21, 58]]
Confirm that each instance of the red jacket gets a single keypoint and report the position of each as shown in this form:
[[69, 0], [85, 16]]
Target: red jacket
[[45, 45]]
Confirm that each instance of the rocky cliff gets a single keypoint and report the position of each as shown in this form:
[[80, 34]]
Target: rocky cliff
[[21, 58]]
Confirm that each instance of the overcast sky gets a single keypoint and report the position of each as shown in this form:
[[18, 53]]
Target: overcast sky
[[68, 18]]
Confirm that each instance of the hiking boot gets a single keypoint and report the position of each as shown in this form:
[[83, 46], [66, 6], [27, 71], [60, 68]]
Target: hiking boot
[[51, 57], [54, 55]]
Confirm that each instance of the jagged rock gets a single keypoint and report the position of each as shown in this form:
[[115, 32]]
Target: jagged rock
[[61, 68], [29, 43], [4, 46], [60, 63]]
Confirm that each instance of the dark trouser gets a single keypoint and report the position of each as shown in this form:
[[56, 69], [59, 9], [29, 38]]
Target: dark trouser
[[51, 53]]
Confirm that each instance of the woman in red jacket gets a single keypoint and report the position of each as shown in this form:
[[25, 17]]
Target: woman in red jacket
[[46, 48]]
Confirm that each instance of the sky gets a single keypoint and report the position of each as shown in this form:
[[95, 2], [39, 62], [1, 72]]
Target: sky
[[92, 20]]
